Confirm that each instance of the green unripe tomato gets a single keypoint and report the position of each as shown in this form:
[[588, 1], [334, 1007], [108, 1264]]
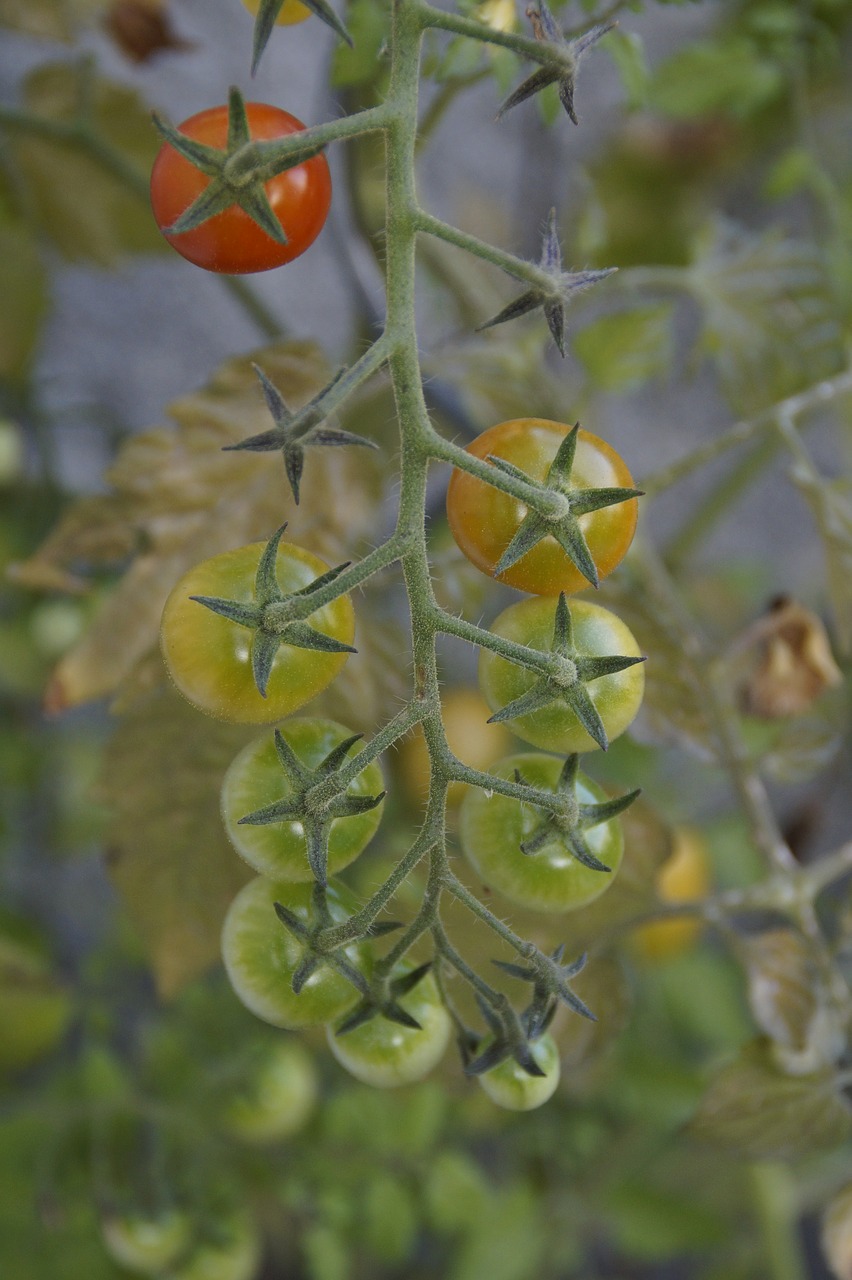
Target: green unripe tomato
[[235, 1254], [492, 828], [146, 1244], [277, 1099], [386, 1054], [511, 1087], [261, 956], [255, 779], [597, 632]]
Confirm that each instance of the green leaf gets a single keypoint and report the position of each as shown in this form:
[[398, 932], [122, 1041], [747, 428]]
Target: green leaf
[[769, 318], [388, 1218], [325, 1252], [169, 857], [756, 1110], [620, 352], [367, 21], [507, 1242], [90, 210], [23, 288], [651, 1224], [627, 50], [456, 1191], [729, 76]]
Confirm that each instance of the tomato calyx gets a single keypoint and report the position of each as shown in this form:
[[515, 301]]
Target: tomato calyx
[[566, 820], [294, 431], [562, 64], [237, 172], [383, 1000], [553, 292], [315, 799], [309, 933], [559, 519], [558, 684], [509, 1035], [277, 618], [268, 13]]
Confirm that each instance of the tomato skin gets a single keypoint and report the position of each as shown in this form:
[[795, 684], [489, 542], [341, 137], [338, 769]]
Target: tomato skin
[[261, 956], [511, 1087], [493, 826], [290, 13], [255, 779], [146, 1244], [386, 1054], [597, 632], [276, 1100], [235, 1254], [484, 519], [231, 242], [209, 657], [683, 877]]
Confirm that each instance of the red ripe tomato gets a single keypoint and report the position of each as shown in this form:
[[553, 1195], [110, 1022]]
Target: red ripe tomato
[[484, 519], [231, 242]]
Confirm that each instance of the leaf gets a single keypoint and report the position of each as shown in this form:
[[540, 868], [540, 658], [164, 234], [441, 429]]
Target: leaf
[[176, 499], [831, 503], [755, 1109], [627, 50], [47, 19], [23, 289], [388, 1217], [770, 323], [357, 64], [729, 76], [622, 351], [507, 1241], [87, 210], [168, 854]]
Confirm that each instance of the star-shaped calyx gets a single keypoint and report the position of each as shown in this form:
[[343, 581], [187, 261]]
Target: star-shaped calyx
[[564, 523], [386, 1003], [315, 799], [566, 678], [561, 69], [554, 294], [237, 172], [568, 820], [316, 952], [550, 980], [268, 12], [276, 618], [293, 432]]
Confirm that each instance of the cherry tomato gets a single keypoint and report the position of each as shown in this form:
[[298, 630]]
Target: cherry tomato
[[276, 1099], [493, 827], [231, 241], [510, 1086], [261, 955], [597, 632], [484, 519], [146, 1244], [233, 1253], [209, 657], [476, 743], [256, 779], [290, 13], [386, 1054], [683, 877]]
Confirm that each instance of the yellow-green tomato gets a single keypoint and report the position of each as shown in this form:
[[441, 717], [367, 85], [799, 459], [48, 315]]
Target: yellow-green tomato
[[597, 633], [493, 827], [510, 1086], [261, 955], [146, 1244], [209, 657], [256, 779], [386, 1054], [233, 1253], [277, 1098], [291, 12]]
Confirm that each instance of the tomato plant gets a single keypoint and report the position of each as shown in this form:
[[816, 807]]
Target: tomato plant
[[493, 828], [555, 726], [511, 1086], [469, 736], [255, 780], [276, 1097], [262, 957], [231, 1252], [683, 877], [385, 1053], [209, 657], [484, 519], [147, 1244], [231, 241]]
